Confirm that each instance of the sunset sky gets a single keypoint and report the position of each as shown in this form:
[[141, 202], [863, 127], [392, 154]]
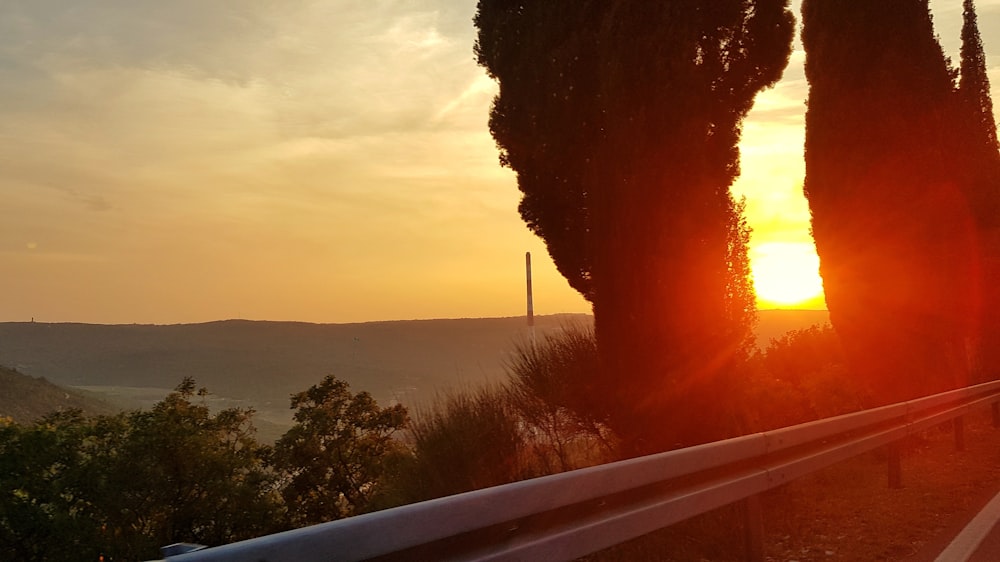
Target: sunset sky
[[323, 161]]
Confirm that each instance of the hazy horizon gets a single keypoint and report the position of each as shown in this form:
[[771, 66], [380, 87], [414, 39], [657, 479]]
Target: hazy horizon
[[383, 320]]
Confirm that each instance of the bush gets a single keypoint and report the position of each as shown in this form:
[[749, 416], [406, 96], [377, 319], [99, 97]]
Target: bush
[[552, 386], [122, 486], [544, 420], [464, 441], [803, 376]]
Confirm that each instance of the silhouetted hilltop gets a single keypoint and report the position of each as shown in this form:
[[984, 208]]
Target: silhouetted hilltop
[[262, 363], [26, 399], [265, 362]]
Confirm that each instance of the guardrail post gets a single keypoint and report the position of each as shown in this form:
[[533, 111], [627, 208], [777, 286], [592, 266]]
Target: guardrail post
[[753, 528], [959, 424], [995, 407], [895, 466]]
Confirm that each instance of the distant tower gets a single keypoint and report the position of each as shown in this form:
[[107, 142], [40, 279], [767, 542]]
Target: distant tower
[[531, 306]]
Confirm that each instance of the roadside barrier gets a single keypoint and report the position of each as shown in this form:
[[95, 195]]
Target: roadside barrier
[[571, 514]]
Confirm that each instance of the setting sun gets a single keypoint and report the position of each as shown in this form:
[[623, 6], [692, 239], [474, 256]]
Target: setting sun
[[786, 274]]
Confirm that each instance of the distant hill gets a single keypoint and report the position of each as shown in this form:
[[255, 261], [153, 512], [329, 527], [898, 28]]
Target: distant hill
[[26, 399], [262, 363]]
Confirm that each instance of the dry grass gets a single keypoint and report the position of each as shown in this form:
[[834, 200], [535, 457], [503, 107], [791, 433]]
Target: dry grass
[[848, 512]]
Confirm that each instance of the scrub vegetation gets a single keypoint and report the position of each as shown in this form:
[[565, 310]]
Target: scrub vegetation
[[122, 485], [621, 120]]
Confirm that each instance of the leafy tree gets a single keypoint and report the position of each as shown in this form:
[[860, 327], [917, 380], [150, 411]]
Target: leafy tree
[[621, 120], [122, 486], [178, 473], [890, 223], [335, 456], [42, 516]]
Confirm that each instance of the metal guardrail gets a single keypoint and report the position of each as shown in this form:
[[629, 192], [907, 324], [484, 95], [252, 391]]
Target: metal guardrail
[[571, 514]]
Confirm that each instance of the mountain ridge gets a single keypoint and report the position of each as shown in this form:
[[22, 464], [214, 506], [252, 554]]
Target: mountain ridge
[[261, 363]]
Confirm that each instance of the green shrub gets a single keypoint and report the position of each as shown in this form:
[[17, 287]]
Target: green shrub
[[464, 441], [75, 488]]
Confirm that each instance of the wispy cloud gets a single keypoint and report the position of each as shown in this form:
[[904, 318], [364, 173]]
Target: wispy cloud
[[273, 157]]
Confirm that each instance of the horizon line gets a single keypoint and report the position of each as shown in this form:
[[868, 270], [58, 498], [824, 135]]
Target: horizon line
[[258, 320]]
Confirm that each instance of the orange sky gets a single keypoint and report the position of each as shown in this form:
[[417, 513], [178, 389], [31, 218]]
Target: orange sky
[[316, 161]]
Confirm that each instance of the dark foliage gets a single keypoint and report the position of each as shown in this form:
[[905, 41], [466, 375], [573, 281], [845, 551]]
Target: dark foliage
[[26, 399], [809, 378], [40, 517], [74, 488], [465, 441], [122, 486], [551, 385], [543, 55], [334, 457], [892, 227], [621, 120], [977, 159]]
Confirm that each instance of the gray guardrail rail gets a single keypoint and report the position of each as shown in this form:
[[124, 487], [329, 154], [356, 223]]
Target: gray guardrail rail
[[571, 514]]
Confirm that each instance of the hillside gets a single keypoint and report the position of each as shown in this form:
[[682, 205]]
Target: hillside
[[262, 363], [26, 399]]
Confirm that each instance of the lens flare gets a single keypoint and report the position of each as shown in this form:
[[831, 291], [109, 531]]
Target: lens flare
[[786, 274]]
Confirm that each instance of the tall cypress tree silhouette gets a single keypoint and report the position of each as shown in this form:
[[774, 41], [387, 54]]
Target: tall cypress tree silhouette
[[977, 159], [891, 225], [621, 119]]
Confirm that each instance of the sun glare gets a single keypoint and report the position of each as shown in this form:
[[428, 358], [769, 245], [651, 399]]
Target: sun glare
[[786, 274]]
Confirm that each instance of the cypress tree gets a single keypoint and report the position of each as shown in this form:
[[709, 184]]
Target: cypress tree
[[977, 158], [621, 119], [542, 55], [890, 224], [974, 88]]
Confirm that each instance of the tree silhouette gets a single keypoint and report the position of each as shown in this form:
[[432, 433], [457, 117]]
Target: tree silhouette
[[543, 56], [977, 157], [974, 92], [892, 227], [622, 119]]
